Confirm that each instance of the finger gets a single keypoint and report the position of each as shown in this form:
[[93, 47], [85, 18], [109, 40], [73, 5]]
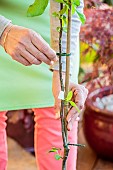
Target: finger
[[43, 46], [21, 60], [71, 113], [30, 57], [79, 98], [79, 95], [78, 118], [37, 54], [81, 89], [71, 122]]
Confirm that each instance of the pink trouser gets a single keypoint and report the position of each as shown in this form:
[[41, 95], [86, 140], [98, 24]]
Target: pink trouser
[[47, 135], [3, 142]]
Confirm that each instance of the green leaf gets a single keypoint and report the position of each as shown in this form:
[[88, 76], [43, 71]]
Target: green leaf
[[58, 29], [63, 1], [63, 10], [81, 16], [73, 8], [59, 1], [55, 14], [65, 29], [54, 149], [74, 105], [76, 2], [58, 157], [37, 8], [64, 20], [69, 96]]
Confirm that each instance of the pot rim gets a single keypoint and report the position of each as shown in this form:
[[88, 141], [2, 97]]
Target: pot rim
[[89, 101]]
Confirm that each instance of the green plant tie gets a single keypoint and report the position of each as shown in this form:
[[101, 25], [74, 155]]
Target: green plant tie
[[63, 54], [66, 146]]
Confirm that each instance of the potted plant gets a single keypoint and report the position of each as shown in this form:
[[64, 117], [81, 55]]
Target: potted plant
[[98, 115]]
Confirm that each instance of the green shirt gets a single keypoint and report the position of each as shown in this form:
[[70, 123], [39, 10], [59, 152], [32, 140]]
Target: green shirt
[[24, 87], [30, 87]]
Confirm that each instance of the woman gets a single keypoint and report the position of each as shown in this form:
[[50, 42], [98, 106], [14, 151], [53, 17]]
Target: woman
[[27, 47]]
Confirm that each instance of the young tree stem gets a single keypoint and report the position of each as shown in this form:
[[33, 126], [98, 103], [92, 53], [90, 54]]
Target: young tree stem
[[64, 106], [62, 88], [66, 148]]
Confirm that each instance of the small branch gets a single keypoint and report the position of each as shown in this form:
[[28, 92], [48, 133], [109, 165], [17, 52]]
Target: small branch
[[81, 145]]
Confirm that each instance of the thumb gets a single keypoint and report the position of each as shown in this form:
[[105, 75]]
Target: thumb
[[57, 106]]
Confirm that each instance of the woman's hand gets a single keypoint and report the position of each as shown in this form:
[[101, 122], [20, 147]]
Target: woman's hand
[[26, 46], [79, 96]]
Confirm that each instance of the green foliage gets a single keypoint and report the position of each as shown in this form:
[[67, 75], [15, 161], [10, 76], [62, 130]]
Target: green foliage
[[68, 99], [64, 21], [74, 105], [61, 12], [37, 8], [58, 29], [76, 2], [54, 149], [65, 29], [69, 96], [81, 17], [55, 14], [58, 157], [60, 1], [88, 52], [73, 9]]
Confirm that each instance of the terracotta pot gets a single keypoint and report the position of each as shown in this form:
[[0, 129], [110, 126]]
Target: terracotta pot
[[98, 125]]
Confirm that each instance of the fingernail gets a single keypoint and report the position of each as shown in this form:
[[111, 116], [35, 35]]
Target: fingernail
[[78, 118], [69, 127], [69, 120], [51, 63]]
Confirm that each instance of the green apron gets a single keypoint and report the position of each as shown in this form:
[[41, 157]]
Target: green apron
[[24, 87]]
